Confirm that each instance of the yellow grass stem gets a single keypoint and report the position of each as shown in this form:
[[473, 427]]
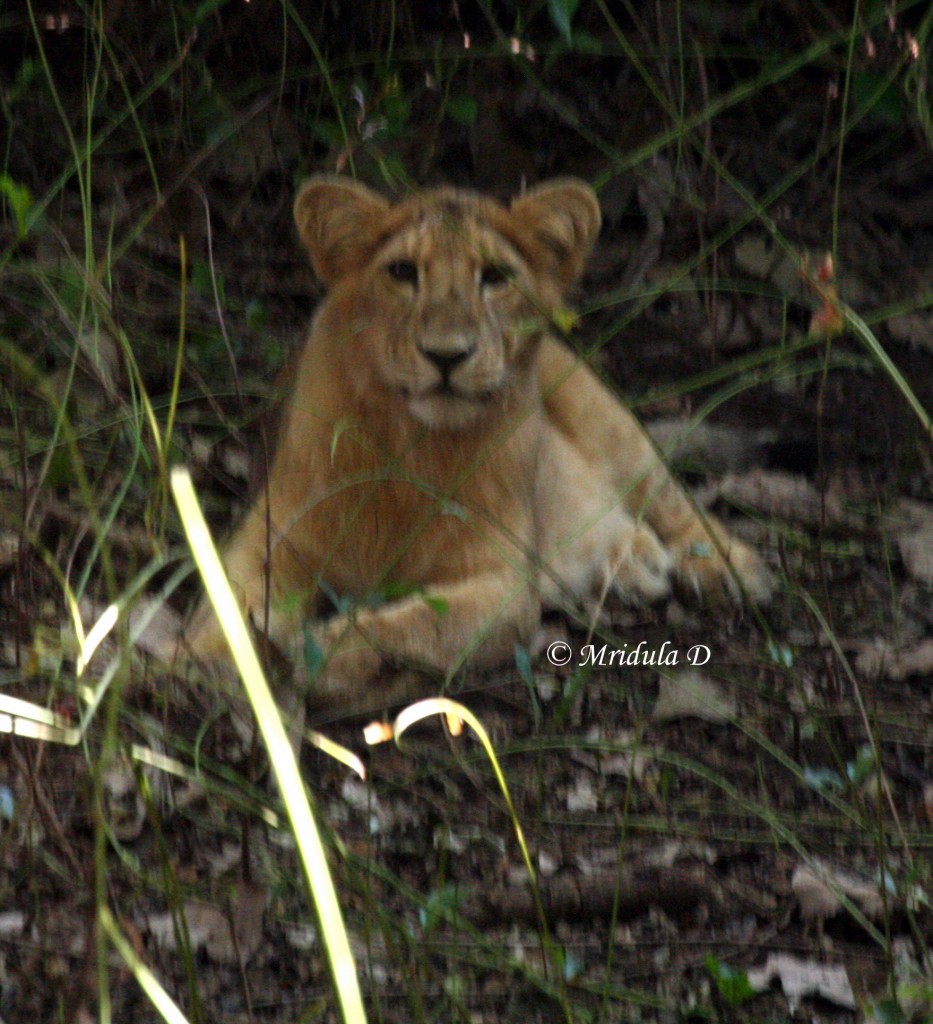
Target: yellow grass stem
[[281, 756]]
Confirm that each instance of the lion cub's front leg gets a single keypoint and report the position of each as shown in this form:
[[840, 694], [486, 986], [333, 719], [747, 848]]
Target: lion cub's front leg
[[273, 585], [589, 543], [376, 657], [705, 559]]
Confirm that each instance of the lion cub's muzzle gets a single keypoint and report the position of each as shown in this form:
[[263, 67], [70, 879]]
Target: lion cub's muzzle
[[446, 359], [456, 380]]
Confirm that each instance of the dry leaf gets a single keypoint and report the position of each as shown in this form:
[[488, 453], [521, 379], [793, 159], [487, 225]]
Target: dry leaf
[[692, 695], [12, 923], [885, 660], [102, 351], [819, 893], [917, 551], [209, 926], [783, 495], [801, 978], [717, 448], [582, 797], [124, 805], [815, 898], [633, 764], [302, 937], [159, 636], [911, 524], [9, 548], [914, 328]]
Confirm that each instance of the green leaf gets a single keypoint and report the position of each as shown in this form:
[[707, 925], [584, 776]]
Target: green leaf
[[60, 473], [331, 133], [439, 906], [583, 42], [780, 654], [256, 317], [732, 985], [437, 604], [313, 655], [393, 590], [398, 590], [19, 200], [339, 427], [562, 12], [203, 280], [523, 664], [27, 74], [859, 770], [823, 780], [397, 110], [461, 109], [204, 10], [566, 319], [874, 92], [887, 1011]]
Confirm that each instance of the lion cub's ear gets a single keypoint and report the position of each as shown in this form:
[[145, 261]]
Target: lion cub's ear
[[562, 216], [339, 222]]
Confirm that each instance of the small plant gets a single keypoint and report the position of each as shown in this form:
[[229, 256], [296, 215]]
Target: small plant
[[732, 985]]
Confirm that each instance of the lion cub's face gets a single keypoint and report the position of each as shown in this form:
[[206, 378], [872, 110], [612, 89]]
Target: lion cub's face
[[443, 296]]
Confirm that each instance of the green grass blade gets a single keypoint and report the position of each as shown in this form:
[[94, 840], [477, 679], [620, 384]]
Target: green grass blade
[[865, 335]]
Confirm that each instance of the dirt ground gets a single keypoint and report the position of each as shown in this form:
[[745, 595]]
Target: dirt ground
[[742, 833]]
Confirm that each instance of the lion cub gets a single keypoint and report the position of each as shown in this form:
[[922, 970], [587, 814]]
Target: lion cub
[[445, 466]]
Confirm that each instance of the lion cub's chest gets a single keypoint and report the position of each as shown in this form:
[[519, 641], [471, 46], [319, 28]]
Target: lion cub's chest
[[434, 512]]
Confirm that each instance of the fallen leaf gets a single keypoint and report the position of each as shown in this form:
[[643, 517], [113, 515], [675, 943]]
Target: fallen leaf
[[800, 978], [911, 524], [917, 551], [886, 660], [124, 805], [717, 449], [692, 695], [634, 765], [159, 625], [582, 797], [914, 328], [820, 889], [9, 548], [102, 352], [160, 634], [302, 937], [12, 923], [209, 926], [783, 495]]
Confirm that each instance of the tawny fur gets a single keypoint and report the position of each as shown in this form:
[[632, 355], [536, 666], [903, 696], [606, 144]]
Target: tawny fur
[[438, 438]]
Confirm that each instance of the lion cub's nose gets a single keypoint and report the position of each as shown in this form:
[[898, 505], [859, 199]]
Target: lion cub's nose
[[446, 359]]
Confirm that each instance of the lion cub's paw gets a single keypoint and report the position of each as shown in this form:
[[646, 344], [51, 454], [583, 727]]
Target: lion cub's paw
[[349, 666], [701, 570], [642, 566], [354, 677]]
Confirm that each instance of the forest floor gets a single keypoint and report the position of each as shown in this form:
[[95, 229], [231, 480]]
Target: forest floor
[[745, 838]]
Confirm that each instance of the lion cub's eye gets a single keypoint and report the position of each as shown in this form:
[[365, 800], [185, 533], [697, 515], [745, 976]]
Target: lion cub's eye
[[404, 271], [494, 274]]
